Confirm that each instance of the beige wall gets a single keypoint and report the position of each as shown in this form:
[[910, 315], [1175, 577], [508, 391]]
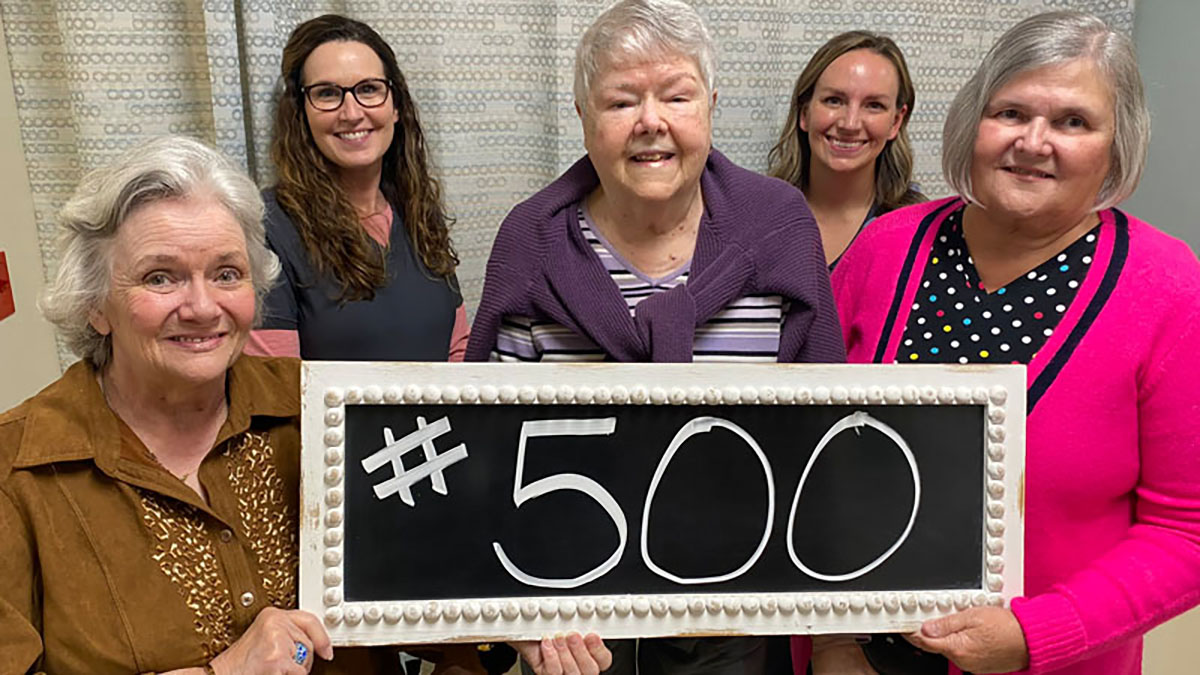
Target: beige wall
[[1173, 648], [27, 353], [1165, 32]]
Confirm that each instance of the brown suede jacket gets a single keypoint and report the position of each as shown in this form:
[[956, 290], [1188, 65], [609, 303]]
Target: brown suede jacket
[[110, 564]]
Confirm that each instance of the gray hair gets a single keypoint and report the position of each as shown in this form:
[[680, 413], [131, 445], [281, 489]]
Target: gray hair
[[642, 30], [171, 167], [1049, 39]]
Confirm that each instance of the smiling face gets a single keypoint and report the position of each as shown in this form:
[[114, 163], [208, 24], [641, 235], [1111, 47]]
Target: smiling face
[[181, 301], [354, 138], [1044, 143], [852, 114], [648, 129]]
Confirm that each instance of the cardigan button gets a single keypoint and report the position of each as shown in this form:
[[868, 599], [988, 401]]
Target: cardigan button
[[247, 599], [225, 536]]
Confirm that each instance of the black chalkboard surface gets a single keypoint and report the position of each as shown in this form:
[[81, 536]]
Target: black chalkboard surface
[[455, 502], [708, 513]]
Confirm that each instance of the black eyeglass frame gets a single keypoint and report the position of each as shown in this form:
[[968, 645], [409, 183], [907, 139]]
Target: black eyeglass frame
[[305, 91]]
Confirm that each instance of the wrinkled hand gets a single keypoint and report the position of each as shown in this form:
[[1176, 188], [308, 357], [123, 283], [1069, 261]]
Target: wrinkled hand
[[570, 655], [839, 655], [269, 645], [978, 640]]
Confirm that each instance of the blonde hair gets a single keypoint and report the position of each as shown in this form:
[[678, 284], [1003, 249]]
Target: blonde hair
[[791, 157]]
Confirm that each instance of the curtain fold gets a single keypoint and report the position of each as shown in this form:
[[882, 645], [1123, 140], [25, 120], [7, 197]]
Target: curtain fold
[[492, 80]]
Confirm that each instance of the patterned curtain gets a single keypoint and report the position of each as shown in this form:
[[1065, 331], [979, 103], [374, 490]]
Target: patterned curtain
[[492, 80]]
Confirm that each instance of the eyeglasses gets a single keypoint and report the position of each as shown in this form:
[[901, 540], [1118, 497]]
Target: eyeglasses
[[326, 97]]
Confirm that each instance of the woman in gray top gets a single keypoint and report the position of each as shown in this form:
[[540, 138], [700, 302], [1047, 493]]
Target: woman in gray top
[[355, 216]]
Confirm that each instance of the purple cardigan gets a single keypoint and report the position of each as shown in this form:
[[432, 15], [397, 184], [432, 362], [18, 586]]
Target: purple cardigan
[[756, 236], [1112, 468]]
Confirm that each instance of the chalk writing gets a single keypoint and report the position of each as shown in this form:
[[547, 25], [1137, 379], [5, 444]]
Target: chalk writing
[[393, 453], [565, 481], [701, 425], [856, 421]]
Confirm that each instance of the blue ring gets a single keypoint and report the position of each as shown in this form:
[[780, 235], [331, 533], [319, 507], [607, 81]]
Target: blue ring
[[301, 654]]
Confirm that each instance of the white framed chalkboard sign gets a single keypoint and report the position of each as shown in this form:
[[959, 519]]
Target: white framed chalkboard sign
[[476, 502]]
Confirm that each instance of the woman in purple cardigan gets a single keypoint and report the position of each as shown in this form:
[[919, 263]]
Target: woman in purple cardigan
[[655, 247], [1032, 264]]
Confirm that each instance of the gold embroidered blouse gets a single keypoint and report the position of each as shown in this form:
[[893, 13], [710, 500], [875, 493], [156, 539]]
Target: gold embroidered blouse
[[109, 564]]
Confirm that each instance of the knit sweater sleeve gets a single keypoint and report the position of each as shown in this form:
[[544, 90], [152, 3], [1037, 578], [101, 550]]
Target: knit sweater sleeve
[[1153, 573], [510, 271], [815, 328], [787, 255]]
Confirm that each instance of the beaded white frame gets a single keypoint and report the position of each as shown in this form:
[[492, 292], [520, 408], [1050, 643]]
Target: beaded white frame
[[327, 387]]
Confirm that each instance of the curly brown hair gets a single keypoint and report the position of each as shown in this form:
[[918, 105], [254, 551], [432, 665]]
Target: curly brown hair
[[790, 157], [308, 189]]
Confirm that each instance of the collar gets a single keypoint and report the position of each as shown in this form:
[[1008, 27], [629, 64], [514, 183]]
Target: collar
[[70, 420]]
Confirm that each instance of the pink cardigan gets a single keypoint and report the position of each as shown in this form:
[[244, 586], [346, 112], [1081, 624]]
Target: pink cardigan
[[1112, 522]]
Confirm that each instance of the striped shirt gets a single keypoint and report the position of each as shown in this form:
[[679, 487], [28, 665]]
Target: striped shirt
[[745, 331]]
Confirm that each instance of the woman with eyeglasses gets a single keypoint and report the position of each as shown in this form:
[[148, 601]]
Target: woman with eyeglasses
[[355, 216]]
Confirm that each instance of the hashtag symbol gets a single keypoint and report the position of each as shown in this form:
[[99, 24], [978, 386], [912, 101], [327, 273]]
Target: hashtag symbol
[[393, 453]]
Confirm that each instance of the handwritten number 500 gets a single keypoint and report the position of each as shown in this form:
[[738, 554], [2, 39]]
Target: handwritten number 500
[[606, 426]]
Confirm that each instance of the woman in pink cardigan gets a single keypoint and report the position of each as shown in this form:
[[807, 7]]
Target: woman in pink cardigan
[[1033, 264]]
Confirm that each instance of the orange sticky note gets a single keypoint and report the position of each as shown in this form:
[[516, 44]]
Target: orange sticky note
[[6, 293]]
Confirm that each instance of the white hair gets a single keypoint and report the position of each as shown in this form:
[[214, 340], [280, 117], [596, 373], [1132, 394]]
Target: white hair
[[170, 167], [1049, 39], [642, 30]]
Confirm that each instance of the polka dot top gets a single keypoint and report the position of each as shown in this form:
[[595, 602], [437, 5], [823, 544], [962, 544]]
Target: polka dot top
[[954, 320]]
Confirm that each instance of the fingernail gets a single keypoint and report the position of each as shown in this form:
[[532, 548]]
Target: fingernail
[[560, 640]]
